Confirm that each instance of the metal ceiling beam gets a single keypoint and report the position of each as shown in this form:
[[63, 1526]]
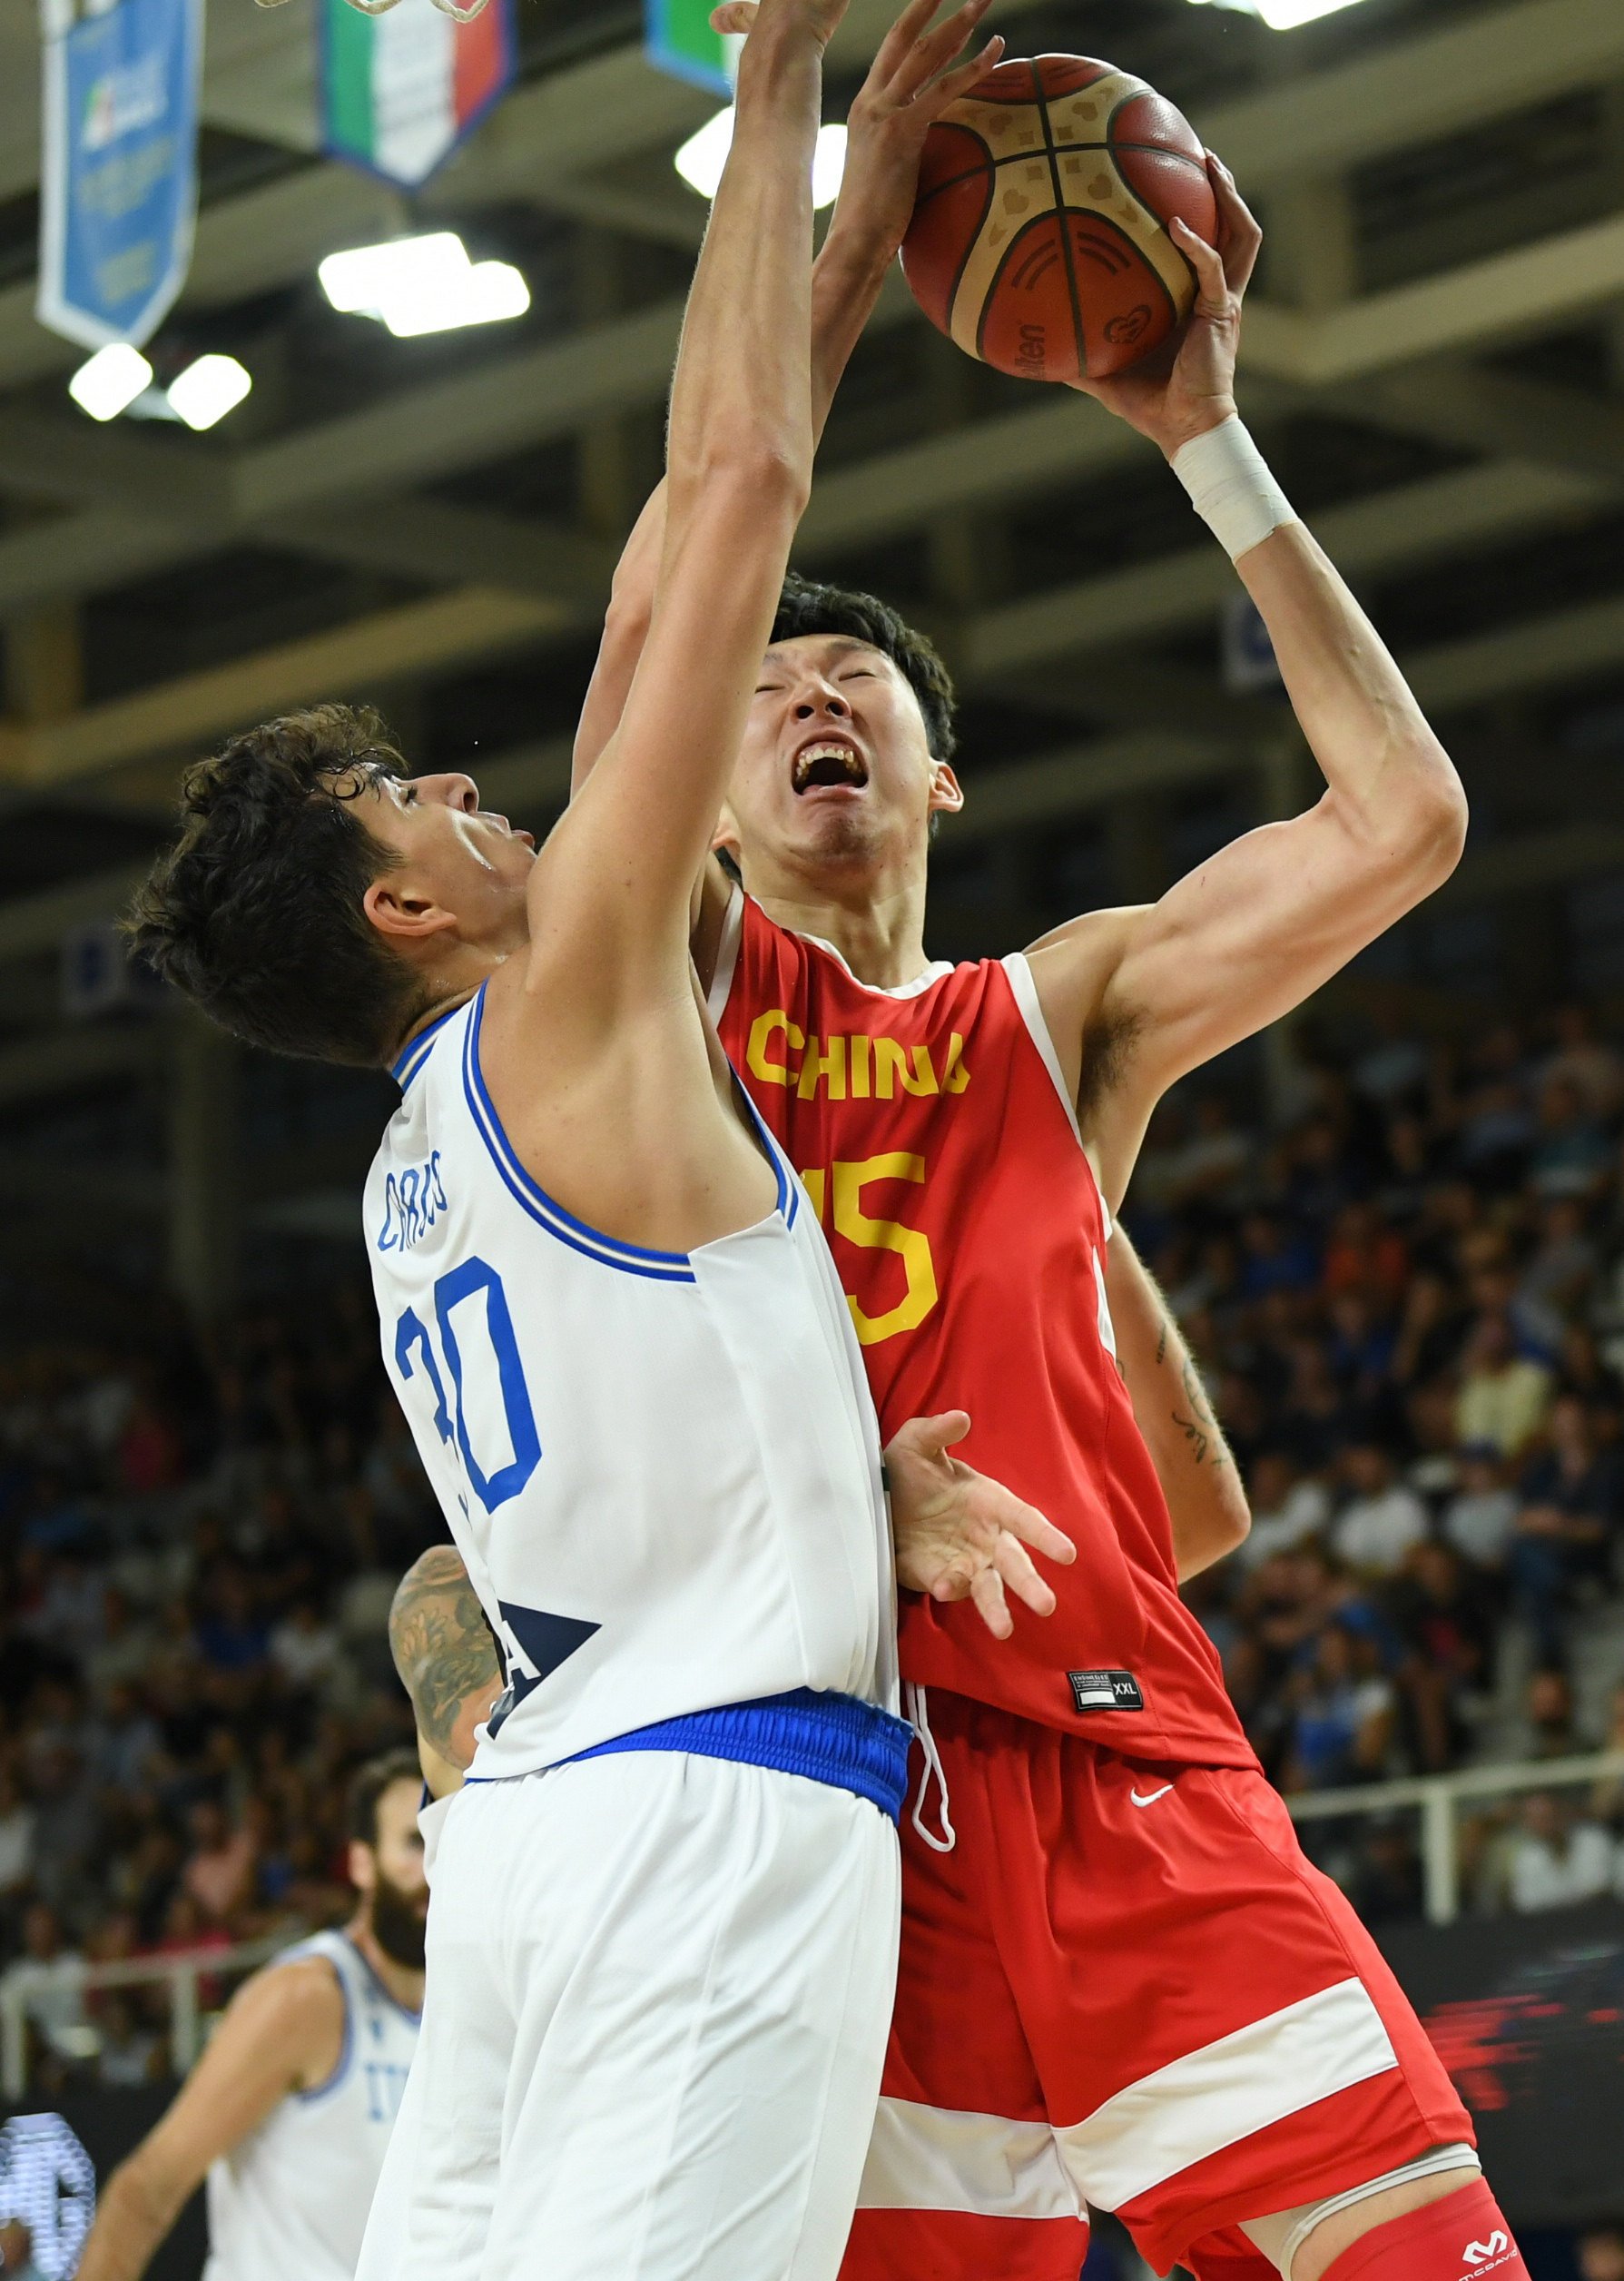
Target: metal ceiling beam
[[394, 645]]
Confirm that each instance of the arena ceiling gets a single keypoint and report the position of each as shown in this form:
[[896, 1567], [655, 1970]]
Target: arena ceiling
[[1434, 359]]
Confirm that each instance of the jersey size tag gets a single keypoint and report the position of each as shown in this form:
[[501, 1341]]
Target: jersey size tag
[[1105, 1690]]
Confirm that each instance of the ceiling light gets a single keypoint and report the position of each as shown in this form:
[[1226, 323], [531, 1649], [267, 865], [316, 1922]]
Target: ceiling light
[[110, 380], [484, 294], [703, 155], [1281, 15], [207, 390], [427, 284]]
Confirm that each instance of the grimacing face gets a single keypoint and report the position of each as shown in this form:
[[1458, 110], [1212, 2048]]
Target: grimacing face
[[459, 864], [835, 769]]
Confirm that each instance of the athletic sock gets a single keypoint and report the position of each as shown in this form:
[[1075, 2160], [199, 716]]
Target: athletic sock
[[1463, 2238]]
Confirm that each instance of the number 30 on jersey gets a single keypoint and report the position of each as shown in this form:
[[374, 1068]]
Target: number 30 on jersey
[[489, 1420]]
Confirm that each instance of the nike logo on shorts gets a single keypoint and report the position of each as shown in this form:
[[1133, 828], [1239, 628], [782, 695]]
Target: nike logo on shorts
[[1153, 1797]]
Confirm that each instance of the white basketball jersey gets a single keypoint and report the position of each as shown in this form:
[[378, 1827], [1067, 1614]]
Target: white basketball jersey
[[662, 1469], [292, 2197]]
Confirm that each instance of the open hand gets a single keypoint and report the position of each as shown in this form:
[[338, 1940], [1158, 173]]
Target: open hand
[[910, 83], [961, 1536], [1187, 386]]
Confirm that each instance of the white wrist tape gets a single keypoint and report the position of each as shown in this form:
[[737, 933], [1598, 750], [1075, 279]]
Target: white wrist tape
[[1231, 488]]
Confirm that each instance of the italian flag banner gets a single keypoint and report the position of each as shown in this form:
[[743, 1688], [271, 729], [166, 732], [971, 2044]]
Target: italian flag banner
[[401, 91]]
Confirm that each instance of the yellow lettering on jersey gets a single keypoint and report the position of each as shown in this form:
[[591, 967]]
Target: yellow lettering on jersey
[[764, 1027], [830, 1065], [890, 1062], [912, 1244], [860, 1067], [955, 1076], [816, 1184]]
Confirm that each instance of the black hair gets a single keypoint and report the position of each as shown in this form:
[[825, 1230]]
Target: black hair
[[256, 912], [367, 1784], [807, 607]]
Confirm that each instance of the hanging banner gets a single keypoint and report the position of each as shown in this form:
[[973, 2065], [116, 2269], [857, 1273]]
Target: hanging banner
[[677, 38], [118, 183], [401, 91]]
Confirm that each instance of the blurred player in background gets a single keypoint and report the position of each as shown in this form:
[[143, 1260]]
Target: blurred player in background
[[1122, 1983], [290, 2108]]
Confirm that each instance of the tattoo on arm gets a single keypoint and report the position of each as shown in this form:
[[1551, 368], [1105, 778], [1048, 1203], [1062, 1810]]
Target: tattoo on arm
[[1161, 1344], [441, 1643], [1200, 1429]]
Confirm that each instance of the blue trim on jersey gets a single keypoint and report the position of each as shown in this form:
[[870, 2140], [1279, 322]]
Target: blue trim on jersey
[[412, 1058], [789, 1188], [835, 1739], [661, 1267], [347, 2048]]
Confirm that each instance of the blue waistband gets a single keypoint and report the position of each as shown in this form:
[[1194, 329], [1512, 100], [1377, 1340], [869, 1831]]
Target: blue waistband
[[829, 1738]]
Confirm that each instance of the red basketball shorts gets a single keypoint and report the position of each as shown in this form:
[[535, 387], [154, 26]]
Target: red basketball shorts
[[1125, 1988]]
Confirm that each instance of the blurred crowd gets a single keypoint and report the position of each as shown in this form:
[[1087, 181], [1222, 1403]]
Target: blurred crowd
[[1407, 1297], [197, 1554], [1405, 1288]]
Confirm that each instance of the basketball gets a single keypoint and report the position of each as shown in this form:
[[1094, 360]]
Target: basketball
[[1038, 241]]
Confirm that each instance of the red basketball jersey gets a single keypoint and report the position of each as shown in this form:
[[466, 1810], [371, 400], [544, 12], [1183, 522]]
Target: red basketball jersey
[[931, 1128]]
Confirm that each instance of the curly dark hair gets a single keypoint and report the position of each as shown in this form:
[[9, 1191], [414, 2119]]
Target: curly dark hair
[[256, 911], [807, 607]]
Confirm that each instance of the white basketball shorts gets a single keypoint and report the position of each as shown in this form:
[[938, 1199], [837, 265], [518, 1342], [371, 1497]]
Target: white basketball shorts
[[658, 1992]]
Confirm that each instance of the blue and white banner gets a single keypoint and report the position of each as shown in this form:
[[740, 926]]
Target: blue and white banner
[[118, 186]]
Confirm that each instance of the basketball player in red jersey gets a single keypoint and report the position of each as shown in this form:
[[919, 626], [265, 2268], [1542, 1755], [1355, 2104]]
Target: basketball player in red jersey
[[1122, 1983]]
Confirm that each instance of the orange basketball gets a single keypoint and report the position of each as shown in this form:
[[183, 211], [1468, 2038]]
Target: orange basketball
[[1038, 240]]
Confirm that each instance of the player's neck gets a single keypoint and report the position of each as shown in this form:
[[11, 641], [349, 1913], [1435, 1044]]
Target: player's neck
[[454, 981], [882, 938], [403, 1984]]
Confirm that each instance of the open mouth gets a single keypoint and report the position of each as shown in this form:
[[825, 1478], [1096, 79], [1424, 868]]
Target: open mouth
[[830, 762]]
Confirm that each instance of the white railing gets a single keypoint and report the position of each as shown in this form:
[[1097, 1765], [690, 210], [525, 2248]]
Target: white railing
[[185, 1971], [1437, 1797]]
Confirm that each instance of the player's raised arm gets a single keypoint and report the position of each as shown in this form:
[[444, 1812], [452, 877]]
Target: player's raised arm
[[912, 80], [610, 892], [1257, 928]]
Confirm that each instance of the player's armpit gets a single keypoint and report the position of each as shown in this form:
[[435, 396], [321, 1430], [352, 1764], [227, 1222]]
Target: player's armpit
[[282, 2032], [445, 1656]]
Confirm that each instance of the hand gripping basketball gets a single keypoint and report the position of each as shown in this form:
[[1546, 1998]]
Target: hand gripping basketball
[[961, 1536]]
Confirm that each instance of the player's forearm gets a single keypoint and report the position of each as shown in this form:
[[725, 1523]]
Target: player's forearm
[[135, 2212], [740, 399], [848, 277], [1205, 1501], [1392, 785]]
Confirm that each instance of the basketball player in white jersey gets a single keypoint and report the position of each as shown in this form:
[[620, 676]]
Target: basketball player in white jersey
[[290, 2108], [664, 1938]]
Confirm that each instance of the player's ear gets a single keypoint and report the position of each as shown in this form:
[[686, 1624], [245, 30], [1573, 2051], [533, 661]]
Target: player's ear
[[724, 839], [362, 1866], [946, 796], [405, 916]]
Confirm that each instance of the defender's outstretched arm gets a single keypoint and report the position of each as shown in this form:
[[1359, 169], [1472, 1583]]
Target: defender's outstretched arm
[[914, 77]]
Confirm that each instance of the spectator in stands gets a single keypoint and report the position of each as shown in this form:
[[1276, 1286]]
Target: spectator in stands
[[1504, 1394], [1558, 1858], [47, 1978], [1288, 1508], [1572, 1496], [1570, 1156], [1444, 1612], [1481, 1518], [1381, 1520], [1548, 1728], [219, 1870], [1343, 1718]]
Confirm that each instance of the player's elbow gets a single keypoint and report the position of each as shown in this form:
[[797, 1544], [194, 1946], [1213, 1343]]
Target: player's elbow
[[142, 2199], [1440, 814], [758, 478]]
